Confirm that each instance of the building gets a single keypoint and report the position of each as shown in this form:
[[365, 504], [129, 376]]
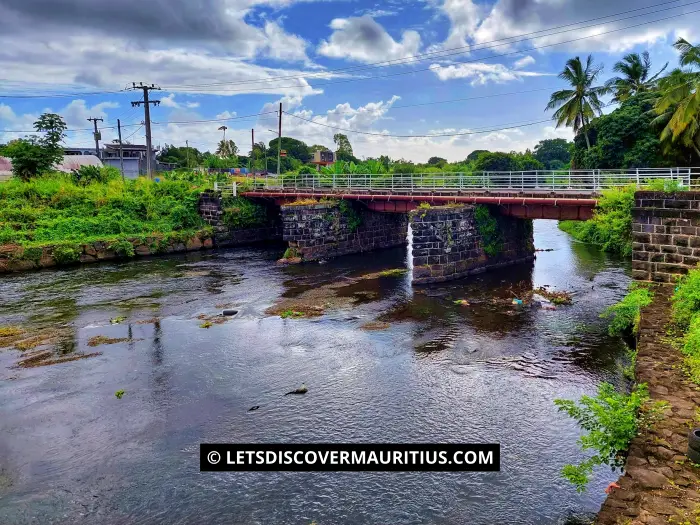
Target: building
[[134, 157], [323, 158], [70, 162]]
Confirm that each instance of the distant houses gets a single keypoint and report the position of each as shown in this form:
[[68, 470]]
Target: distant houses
[[134, 158]]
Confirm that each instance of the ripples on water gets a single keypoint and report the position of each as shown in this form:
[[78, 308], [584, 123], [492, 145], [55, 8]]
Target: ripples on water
[[70, 452]]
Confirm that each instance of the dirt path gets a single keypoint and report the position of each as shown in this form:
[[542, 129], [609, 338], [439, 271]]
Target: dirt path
[[660, 486]]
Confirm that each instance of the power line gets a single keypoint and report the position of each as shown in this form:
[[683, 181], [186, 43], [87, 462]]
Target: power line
[[134, 133], [460, 50], [419, 136], [519, 52]]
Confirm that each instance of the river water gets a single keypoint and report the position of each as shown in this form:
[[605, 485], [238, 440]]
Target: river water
[[71, 452]]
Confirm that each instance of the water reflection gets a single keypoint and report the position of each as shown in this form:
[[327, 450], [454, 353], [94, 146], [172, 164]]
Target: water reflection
[[440, 371]]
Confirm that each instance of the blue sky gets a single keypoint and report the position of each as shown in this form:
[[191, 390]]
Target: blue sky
[[220, 59]]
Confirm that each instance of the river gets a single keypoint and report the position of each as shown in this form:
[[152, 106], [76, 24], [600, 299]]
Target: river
[[72, 453]]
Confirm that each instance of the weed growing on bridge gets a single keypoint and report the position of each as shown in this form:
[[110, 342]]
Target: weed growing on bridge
[[611, 225], [487, 227], [240, 213]]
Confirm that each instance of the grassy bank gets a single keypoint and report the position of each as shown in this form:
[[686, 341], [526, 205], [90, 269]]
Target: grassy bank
[[686, 318], [63, 212], [611, 225]]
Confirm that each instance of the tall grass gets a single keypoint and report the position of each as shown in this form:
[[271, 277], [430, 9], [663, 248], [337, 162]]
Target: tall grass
[[54, 208]]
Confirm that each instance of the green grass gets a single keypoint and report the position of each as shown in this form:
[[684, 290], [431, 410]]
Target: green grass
[[686, 317], [54, 210], [611, 225]]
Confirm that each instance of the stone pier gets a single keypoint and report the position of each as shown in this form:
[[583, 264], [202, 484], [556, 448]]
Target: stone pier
[[666, 234], [317, 231], [448, 243]]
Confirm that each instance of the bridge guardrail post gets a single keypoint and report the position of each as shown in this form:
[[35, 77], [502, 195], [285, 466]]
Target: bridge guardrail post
[[637, 177]]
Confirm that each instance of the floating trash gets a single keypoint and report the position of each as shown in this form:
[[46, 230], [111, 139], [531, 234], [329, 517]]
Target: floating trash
[[518, 302]]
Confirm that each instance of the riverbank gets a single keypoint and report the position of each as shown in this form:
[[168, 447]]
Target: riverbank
[[56, 220], [660, 485]]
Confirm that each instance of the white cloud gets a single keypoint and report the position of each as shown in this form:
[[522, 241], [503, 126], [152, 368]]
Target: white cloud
[[363, 40], [524, 62], [192, 105], [169, 101], [284, 46], [481, 73]]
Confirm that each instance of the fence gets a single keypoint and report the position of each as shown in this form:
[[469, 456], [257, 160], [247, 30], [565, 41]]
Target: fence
[[227, 190], [562, 180]]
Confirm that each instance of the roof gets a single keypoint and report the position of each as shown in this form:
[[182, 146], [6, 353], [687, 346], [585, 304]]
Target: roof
[[136, 147], [69, 163], [74, 162], [5, 168]]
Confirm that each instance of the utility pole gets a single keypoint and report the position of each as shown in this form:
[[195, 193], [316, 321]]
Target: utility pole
[[96, 135], [147, 110], [279, 142], [252, 151], [187, 151], [121, 147]]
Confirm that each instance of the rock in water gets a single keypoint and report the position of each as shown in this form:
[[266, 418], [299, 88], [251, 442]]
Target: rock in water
[[253, 408], [229, 312], [301, 390]]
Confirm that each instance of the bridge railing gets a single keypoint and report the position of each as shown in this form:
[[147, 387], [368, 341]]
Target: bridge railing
[[559, 180]]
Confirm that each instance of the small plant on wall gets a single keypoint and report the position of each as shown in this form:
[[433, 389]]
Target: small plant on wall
[[488, 229]]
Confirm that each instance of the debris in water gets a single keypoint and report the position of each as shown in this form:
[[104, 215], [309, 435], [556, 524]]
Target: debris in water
[[104, 340], [119, 394], [558, 298], [612, 486], [375, 326], [253, 408], [301, 390], [206, 324], [517, 301], [229, 312], [462, 302], [117, 320]]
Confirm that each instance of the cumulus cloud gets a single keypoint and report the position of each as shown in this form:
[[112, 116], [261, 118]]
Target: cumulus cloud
[[524, 62], [482, 73], [362, 39]]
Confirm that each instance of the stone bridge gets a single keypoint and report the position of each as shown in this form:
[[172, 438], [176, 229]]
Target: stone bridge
[[458, 229]]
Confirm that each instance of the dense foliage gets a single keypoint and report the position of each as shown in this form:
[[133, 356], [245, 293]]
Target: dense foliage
[[686, 315], [626, 314], [490, 232], [553, 153], [32, 156], [54, 208], [240, 212], [611, 225], [625, 138]]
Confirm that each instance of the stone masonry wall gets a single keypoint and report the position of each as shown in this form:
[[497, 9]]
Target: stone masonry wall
[[666, 234], [211, 210], [447, 244], [319, 231]]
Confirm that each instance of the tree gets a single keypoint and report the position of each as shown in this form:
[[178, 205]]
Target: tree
[[296, 149], [549, 150], [625, 138], [475, 154], [437, 161], [343, 148], [678, 107], [318, 147], [635, 70], [182, 157], [496, 161], [227, 148], [579, 105], [32, 156]]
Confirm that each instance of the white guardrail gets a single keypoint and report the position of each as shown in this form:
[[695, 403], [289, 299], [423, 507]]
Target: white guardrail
[[227, 190], [561, 180]]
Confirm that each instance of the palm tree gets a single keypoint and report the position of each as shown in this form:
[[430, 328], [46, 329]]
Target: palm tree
[[578, 105], [678, 106], [635, 70], [226, 148]]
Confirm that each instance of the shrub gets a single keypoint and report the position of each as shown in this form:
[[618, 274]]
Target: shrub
[[240, 213], [686, 299], [66, 253], [611, 420], [665, 185], [691, 350], [611, 225], [626, 314], [123, 248]]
